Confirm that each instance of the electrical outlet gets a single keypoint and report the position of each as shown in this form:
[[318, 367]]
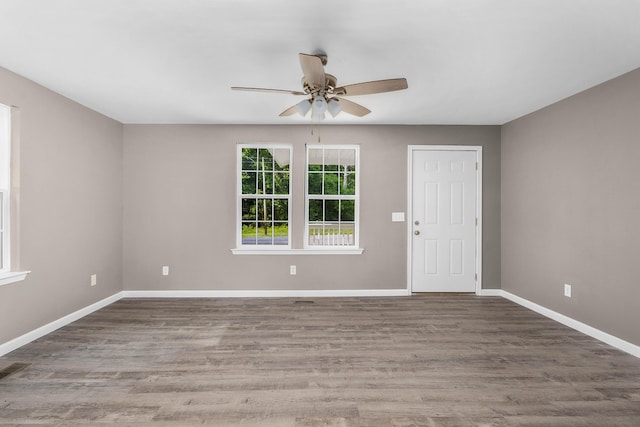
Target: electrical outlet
[[165, 270], [567, 290], [94, 279], [292, 270]]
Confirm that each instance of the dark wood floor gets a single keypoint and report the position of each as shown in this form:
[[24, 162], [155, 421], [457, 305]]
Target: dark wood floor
[[412, 361]]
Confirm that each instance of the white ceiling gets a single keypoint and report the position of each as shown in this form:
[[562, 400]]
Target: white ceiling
[[173, 61]]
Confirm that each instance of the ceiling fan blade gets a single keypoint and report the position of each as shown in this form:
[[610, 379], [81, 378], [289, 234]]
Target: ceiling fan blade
[[350, 107], [261, 89], [313, 70], [367, 88], [289, 111]]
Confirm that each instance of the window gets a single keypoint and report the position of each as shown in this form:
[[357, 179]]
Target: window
[[332, 196], [5, 178], [7, 275], [264, 199]]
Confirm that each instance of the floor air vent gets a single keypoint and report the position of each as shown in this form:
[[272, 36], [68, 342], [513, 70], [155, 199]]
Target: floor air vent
[[12, 369]]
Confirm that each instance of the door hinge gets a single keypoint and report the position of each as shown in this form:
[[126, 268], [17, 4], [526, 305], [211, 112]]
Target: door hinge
[[476, 222], [476, 277], [476, 165]]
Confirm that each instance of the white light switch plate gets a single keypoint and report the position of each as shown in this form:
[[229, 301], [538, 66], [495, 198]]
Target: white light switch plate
[[397, 216]]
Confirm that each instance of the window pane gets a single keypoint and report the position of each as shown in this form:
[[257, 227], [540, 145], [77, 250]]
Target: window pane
[[331, 210], [281, 183], [248, 209], [264, 210], [347, 234], [347, 210], [348, 184], [331, 159], [281, 157], [249, 183], [348, 159], [315, 211], [280, 210], [315, 183], [265, 239], [280, 233], [264, 233], [315, 160], [331, 182], [249, 159], [249, 233], [265, 160], [265, 182], [315, 234]]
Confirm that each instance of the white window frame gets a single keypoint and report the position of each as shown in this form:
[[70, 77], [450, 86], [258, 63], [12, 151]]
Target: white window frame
[[7, 274], [261, 247], [356, 198], [5, 188]]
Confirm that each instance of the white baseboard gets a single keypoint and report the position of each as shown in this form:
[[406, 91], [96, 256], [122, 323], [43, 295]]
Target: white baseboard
[[56, 324], [490, 293], [561, 318], [574, 324], [18, 342], [268, 294]]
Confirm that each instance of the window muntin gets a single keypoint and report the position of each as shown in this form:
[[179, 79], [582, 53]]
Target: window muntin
[[5, 186], [264, 199], [332, 196]]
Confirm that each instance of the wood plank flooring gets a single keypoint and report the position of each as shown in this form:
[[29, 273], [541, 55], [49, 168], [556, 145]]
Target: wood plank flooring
[[428, 360]]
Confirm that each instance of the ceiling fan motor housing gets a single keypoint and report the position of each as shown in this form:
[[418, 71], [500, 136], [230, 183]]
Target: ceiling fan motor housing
[[330, 84]]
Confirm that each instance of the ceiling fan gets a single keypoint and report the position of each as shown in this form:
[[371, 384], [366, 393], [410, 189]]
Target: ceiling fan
[[324, 94]]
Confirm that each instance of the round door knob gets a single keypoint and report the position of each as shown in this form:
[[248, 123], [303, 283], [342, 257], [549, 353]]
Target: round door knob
[[416, 232]]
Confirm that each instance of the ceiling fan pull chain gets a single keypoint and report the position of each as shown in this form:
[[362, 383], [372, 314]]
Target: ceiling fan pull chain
[[317, 132]]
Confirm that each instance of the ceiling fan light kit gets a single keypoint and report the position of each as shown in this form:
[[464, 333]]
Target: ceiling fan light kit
[[334, 107], [303, 107], [324, 94], [318, 108]]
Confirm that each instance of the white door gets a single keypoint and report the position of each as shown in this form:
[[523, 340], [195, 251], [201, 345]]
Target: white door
[[443, 221]]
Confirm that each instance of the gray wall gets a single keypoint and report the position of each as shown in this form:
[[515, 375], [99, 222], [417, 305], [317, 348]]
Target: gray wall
[[70, 207], [78, 169], [565, 213], [180, 192], [571, 205]]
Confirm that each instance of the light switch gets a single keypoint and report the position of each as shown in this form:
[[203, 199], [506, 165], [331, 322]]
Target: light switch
[[397, 216]]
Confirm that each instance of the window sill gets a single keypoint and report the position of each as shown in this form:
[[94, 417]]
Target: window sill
[[13, 276], [332, 251]]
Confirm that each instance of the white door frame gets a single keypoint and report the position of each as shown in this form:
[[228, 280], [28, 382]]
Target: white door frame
[[478, 151]]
